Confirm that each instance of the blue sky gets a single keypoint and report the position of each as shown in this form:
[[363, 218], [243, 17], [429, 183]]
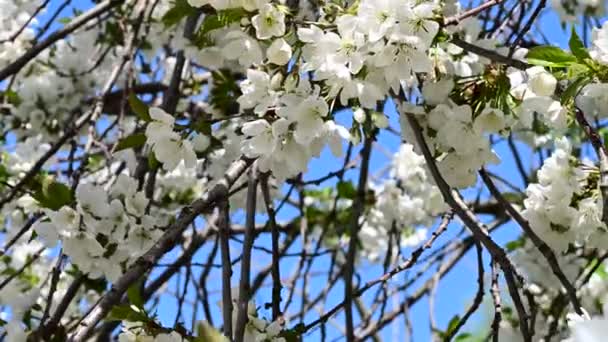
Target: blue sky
[[454, 292]]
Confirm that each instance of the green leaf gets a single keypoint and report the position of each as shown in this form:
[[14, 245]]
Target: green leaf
[[114, 34], [153, 163], [452, 325], [291, 335], [12, 97], [139, 108], [203, 127], [515, 244], [463, 337], [346, 190], [550, 56], [468, 337], [578, 47], [224, 91], [98, 285], [601, 272], [512, 197], [573, 89], [52, 194], [134, 294], [132, 141], [127, 313], [179, 11], [577, 69]]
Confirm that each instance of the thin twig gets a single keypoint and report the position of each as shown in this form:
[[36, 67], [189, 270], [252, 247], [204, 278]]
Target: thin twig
[[357, 211], [244, 288], [276, 271], [455, 20]]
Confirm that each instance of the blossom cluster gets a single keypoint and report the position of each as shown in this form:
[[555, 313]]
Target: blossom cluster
[[565, 207], [403, 203], [133, 332], [14, 15], [106, 231]]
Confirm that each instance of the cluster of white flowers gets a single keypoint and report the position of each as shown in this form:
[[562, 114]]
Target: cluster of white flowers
[[564, 206], [456, 134], [599, 48], [379, 48], [588, 329], [298, 132], [454, 60], [404, 203], [358, 57], [168, 146], [21, 293], [14, 14], [535, 88], [26, 154], [106, 231], [257, 328], [56, 83], [134, 332], [533, 265], [593, 98]]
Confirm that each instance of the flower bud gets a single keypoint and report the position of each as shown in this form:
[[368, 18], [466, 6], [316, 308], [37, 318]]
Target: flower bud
[[359, 115], [279, 52], [541, 82], [276, 80]]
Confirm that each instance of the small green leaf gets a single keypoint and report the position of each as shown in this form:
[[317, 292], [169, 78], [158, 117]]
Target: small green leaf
[[12, 97], [127, 313], [153, 163], [550, 56], [98, 285], [574, 88], [515, 244], [346, 190], [578, 47], [203, 127], [132, 141], [139, 108], [512, 197], [179, 11], [134, 295], [52, 194], [463, 337], [452, 325], [577, 69]]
